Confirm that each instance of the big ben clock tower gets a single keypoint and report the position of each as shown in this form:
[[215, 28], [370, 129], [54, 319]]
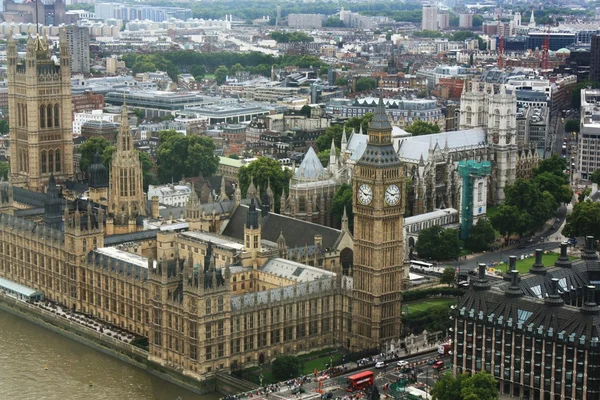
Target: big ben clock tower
[[378, 203]]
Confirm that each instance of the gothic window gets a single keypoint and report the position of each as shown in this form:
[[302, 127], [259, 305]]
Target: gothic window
[[49, 116], [480, 191], [44, 163], [302, 204], [480, 116], [220, 304], [57, 161], [42, 116], [56, 116], [18, 114], [25, 115], [497, 118], [468, 110], [208, 307], [50, 161]]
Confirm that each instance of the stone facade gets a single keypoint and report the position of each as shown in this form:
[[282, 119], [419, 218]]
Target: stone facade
[[39, 114]]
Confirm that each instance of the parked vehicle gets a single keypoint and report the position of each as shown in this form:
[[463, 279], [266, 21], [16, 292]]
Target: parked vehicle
[[379, 364]]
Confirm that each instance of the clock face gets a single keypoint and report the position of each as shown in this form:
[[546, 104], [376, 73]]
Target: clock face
[[364, 194], [392, 195]]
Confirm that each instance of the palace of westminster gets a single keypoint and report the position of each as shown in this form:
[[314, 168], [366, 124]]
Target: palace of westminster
[[230, 284]]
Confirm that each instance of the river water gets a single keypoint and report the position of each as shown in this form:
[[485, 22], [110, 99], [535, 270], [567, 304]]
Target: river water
[[74, 371]]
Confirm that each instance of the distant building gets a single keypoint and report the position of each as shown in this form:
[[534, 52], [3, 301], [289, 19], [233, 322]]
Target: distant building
[[79, 48], [305, 21], [588, 158], [443, 20], [595, 59], [465, 21], [100, 128], [430, 20], [171, 195]]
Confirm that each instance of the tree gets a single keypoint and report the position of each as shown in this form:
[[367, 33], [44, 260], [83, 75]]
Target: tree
[[418, 128], [285, 367], [3, 126], [438, 244], [306, 110], [479, 386], [263, 171], [4, 169], [584, 220], [477, 21], [89, 148], [334, 132], [482, 236], [180, 156], [448, 387], [595, 177], [235, 69], [357, 122], [554, 164], [147, 169], [324, 157], [556, 185], [198, 72], [448, 276], [509, 219], [342, 200], [462, 35], [365, 83], [343, 81], [333, 22], [221, 74], [527, 197], [572, 126]]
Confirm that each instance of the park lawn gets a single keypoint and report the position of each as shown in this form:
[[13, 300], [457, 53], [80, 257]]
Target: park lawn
[[309, 366], [523, 266], [427, 304]]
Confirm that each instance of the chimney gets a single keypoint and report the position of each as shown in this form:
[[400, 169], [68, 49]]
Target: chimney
[[512, 266], [554, 299], [538, 265], [514, 290], [589, 306], [590, 252], [563, 260], [481, 283]]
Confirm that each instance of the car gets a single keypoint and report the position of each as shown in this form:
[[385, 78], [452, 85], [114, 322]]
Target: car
[[431, 361], [557, 220], [327, 396], [402, 363], [438, 365], [298, 390], [379, 364]]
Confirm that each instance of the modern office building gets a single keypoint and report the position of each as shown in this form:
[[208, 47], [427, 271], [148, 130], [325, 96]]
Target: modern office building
[[430, 20], [79, 48], [588, 146], [595, 59], [537, 334]]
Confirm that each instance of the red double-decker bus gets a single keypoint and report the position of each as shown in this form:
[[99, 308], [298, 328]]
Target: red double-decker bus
[[360, 381]]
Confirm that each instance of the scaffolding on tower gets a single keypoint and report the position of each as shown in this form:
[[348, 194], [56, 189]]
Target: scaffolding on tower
[[500, 44]]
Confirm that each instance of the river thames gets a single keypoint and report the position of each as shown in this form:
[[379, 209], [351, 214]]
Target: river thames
[[73, 372]]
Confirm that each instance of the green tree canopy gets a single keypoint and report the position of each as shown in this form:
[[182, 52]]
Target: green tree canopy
[[365, 83], [427, 34], [357, 122], [462, 35], [509, 219], [334, 132], [182, 155], [4, 169], [306, 110], [571, 126], [418, 128], [3, 126], [221, 74], [290, 37], [595, 177], [554, 164], [262, 171], [527, 197], [89, 148], [448, 276], [333, 22], [342, 199], [584, 220], [285, 367], [482, 236], [479, 386], [438, 244], [343, 81], [556, 185]]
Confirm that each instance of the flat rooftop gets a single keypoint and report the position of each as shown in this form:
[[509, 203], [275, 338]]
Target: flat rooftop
[[214, 239]]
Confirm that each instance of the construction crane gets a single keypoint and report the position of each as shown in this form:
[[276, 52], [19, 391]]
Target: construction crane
[[500, 44], [545, 48]]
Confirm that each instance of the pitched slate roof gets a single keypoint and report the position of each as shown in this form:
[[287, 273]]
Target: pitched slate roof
[[114, 240], [29, 197], [296, 232]]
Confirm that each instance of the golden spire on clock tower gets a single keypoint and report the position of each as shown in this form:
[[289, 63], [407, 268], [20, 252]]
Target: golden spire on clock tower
[[378, 206]]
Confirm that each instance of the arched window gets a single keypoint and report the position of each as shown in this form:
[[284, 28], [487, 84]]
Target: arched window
[[49, 116], [56, 116], [57, 161], [220, 304], [480, 191], [42, 116], [480, 116], [44, 162], [497, 118], [18, 114], [50, 161], [208, 310], [468, 110]]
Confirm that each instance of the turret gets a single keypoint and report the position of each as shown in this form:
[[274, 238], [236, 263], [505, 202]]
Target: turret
[[345, 226], [251, 192], [332, 158], [223, 194]]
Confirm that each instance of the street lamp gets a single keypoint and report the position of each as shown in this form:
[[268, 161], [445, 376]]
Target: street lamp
[[260, 378]]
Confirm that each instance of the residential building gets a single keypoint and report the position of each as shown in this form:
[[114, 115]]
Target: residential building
[[465, 21], [79, 48], [174, 195], [588, 146], [305, 21], [443, 19], [429, 20]]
